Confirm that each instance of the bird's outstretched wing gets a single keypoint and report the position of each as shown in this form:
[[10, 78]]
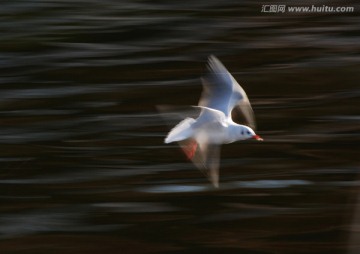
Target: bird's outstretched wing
[[205, 156], [222, 92]]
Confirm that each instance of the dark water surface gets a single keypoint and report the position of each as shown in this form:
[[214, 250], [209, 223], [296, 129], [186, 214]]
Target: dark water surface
[[83, 164]]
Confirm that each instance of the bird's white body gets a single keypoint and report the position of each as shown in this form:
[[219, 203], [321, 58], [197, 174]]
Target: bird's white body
[[219, 130], [201, 138]]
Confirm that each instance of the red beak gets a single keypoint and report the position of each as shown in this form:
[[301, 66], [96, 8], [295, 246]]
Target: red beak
[[257, 137]]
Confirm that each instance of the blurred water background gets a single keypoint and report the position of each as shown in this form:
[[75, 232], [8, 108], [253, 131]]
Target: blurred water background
[[83, 167]]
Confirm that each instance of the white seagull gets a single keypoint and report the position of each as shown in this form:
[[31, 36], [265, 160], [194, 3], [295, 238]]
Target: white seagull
[[202, 137]]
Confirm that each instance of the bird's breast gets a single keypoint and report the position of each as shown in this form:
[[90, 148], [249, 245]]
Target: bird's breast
[[217, 134]]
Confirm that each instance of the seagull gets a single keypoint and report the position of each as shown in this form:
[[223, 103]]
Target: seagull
[[201, 138]]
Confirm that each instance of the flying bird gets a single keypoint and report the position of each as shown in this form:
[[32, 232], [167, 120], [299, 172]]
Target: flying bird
[[201, 138]]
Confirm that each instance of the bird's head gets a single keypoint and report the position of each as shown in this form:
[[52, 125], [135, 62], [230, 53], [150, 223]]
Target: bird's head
[[248, 133]]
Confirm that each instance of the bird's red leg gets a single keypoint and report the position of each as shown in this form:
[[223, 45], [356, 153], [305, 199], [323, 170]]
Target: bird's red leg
[[190, 148]]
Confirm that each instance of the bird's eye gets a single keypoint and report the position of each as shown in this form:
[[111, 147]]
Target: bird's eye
[[242, 132], [248, 132]]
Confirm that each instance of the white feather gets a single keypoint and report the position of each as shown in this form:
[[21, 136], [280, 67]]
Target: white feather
[[181, 131]]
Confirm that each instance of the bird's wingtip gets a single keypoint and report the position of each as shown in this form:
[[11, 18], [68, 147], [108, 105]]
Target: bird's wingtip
[[212, 58], [167, 140]]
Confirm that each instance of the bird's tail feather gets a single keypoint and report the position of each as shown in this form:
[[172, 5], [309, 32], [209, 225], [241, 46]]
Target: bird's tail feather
[[181, 131]]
